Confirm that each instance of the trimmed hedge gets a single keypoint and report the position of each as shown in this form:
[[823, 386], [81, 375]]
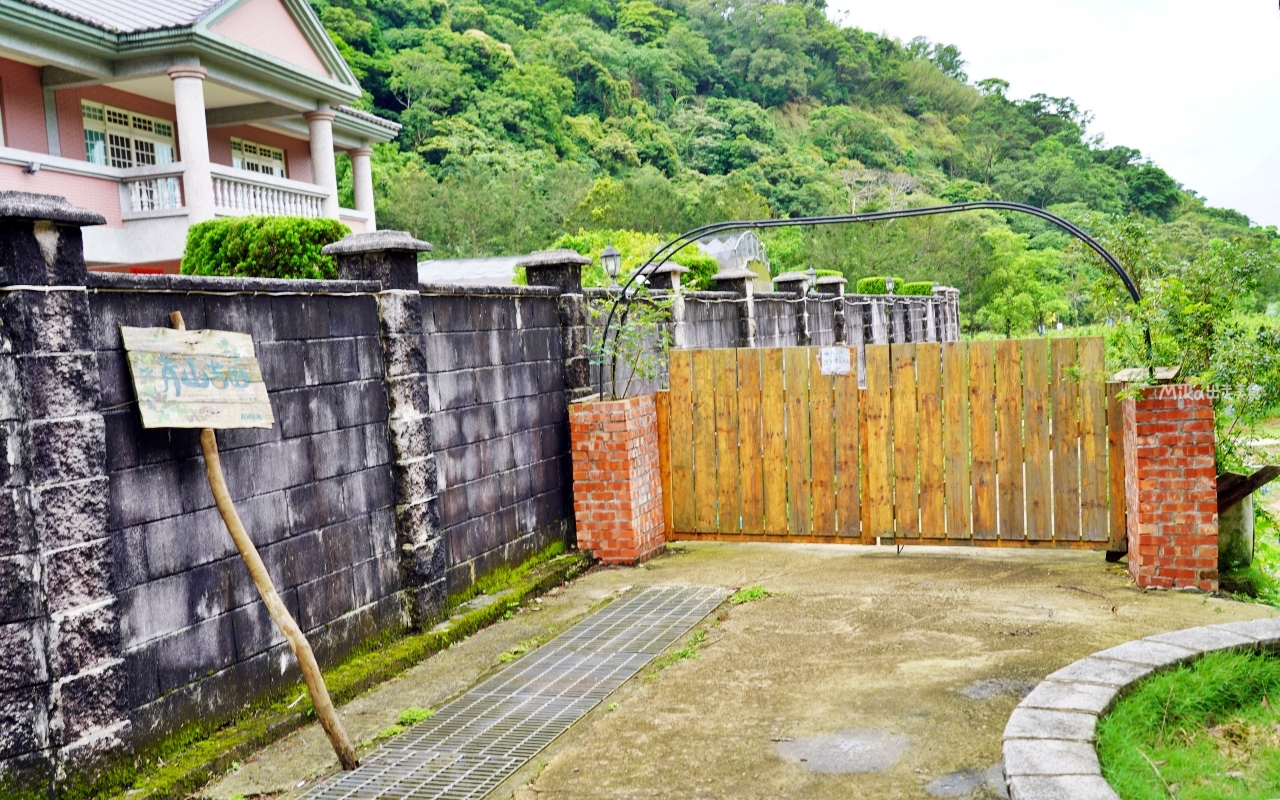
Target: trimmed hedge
[[826, 273], [923, 288], [878, 285], [262, 247]]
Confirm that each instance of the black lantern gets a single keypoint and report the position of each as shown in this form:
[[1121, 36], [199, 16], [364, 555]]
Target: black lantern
[[611, 260]]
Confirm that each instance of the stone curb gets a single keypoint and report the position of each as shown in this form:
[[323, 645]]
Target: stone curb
[[1049, 747]]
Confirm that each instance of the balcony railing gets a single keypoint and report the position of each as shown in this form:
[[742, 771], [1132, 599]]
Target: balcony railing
[[239, 192], [153, 188]]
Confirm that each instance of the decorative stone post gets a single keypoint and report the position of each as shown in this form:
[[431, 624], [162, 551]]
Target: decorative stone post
[[562, 270], [362, 184], [666, 278], [323, 171], [392, 258], [62, 686], [193, 140], [796, 284], [740, 282], [1171, 489], [833, 286]]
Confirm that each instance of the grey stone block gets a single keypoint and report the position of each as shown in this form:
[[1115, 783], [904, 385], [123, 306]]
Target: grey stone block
[[409, 437], [448, 391], [70, 513], [353, 316], [83, 639], [304, 558], [377, 449], [369, 490], [144, 494], [1264, 630], [330, 361], [24, 724], [300, 317], [400, 312], [1204, 639], [75, 576], [382, 530], [60, 384], [345, 544], [253, 628], [1101, 671], [92, 700], [364, 403], [121, 439], [129, 557], [279, 465], [1035, 723], [50, 322], [24, 656], [316, 505], [1049, 757], [1152, 654], [1086, 697], [181, 543], [325, 599], [283, 364], [161, 607], [414, 480], [67, 449], [186, 655], [1076, 787], [369, 356], [478, 423], [265, 517], [337, 452], [114, 382], [236, 438], [406, 354]]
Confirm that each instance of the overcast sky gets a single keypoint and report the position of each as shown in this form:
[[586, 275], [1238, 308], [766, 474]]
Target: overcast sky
[[1194, 85]]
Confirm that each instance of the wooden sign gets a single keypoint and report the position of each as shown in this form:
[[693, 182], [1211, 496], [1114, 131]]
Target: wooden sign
[[196, 379]]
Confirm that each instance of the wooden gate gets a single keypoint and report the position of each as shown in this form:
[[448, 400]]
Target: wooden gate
[[1009, 443]]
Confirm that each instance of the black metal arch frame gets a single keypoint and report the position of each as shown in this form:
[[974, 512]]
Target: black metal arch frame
[[668, 250]]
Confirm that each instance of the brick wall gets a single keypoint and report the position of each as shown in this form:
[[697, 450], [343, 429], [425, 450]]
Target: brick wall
[[22, 106], [617, 504], [1171, 489], [499, 414]]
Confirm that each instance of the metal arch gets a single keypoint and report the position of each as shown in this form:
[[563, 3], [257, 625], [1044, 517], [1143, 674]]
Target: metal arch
[[669, 250]]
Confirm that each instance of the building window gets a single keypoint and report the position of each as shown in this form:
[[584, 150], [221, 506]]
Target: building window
[[117, 138], [257, 157]]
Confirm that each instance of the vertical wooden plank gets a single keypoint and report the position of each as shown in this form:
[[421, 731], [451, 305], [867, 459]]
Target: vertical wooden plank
[[1093, 440], [750, 445], [906, 488], [681, 441], [955, 402], [933, 521], [1065, 394], [982, 430], [878, 459], [1038, 477], [728, 475], [822, 435], [705, 485], [1009, 439], [662, 405], [799, 477], [773, 429], [1117, 508], [848, 425]]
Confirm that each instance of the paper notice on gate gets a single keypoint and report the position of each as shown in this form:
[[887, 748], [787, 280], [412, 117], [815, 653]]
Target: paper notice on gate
[[834, 360]]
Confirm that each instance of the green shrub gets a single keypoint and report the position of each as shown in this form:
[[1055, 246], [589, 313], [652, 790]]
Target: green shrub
[[918, 288], [262, 247], [878, 285], [823, 273]]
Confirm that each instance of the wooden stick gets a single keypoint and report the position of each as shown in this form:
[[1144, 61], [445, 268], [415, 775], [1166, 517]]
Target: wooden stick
[[275, 606]]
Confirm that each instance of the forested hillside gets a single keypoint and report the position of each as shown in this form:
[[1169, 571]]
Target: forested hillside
[[527, 120]]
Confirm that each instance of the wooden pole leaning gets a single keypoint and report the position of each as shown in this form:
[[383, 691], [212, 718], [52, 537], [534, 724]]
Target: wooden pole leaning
[[271, 598]]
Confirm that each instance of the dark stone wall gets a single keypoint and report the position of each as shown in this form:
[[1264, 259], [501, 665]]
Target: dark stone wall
[[500, 419], [711, 319], [776, 320], [315, 493], [822, 320]]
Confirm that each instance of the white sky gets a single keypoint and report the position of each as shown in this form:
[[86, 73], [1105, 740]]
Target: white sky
[[1194, 85]]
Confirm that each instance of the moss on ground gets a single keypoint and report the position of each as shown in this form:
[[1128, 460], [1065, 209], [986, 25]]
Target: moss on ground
[[1202, 731], [188, 759]]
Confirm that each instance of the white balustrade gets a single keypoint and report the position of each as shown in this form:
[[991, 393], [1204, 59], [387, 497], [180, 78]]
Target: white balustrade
[[154, 194], [245, 193]]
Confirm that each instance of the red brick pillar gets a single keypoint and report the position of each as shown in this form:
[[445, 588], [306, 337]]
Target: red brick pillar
[[1171, 488], [617, 490]]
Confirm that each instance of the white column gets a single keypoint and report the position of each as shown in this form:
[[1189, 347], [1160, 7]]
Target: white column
[[362, 181], [193, 141], [323, 173]]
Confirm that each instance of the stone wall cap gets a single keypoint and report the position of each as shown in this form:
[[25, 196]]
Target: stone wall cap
[[733, 275], [375, 241], [53, 208], [118, 281], [827, 280], [670, 266], [548, 258], [791, 277]]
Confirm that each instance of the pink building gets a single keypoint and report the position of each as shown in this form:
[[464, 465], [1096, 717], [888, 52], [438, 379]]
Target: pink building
[[162, 113]]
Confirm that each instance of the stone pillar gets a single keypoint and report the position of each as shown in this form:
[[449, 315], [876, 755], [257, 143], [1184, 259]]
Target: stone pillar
[[796, 284], [666, 278], [62, 684], [741, 283], [833, 286], [1171, 489], [193, 141], [562, 270], [392, 258], [323, 172], [362, 183]]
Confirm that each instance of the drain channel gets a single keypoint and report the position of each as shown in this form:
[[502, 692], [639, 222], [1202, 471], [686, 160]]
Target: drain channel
[[477, 741]]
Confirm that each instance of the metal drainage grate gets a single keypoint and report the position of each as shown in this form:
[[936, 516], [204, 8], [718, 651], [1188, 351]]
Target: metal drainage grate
[[475, 742]]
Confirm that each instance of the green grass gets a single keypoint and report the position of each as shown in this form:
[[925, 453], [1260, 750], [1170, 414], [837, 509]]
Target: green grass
[[749, 595], [1204, 731], [1260, 582], [690, 650]]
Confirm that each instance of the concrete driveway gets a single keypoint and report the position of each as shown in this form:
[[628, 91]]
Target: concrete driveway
[[861, 658]]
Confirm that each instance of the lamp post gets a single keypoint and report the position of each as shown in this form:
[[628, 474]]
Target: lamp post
[[888, 285], [611, 260]]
